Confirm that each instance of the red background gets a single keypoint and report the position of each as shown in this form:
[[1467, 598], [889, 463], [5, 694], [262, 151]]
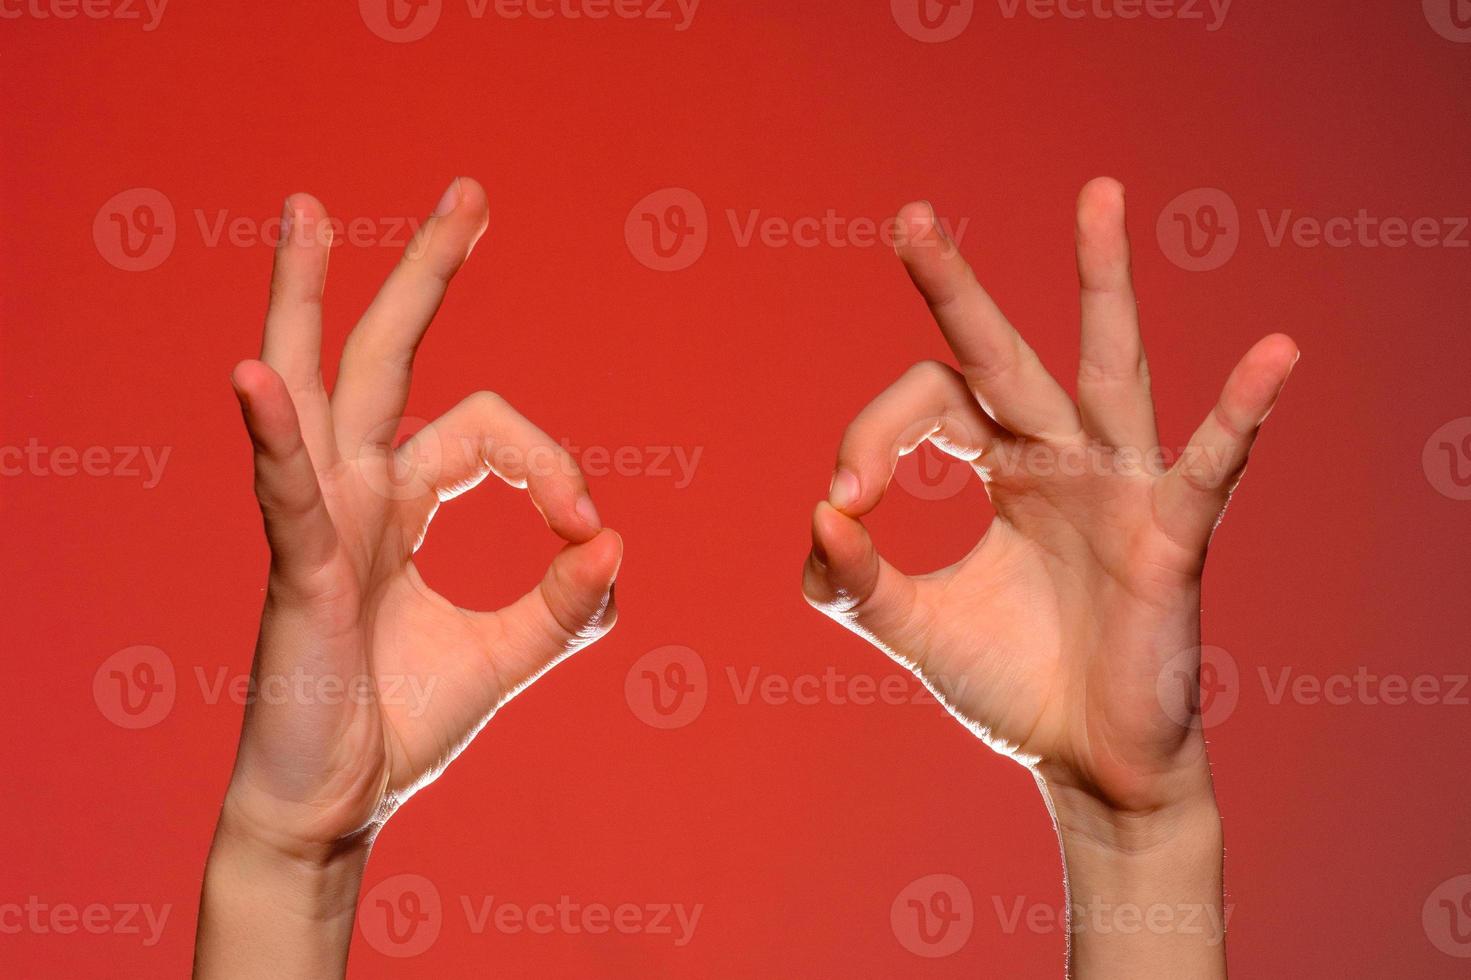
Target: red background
[[794, 826]]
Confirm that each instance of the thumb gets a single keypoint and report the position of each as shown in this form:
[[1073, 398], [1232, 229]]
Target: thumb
[[572, 608], [846, 578]]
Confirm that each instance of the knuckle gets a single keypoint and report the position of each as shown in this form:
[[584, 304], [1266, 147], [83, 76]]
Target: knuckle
[[931, 372], [997, 363], [487, 403], [1095, 372]]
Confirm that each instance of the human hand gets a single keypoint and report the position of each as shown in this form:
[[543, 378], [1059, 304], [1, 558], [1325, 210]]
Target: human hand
[[389, 681], [1049, 637]]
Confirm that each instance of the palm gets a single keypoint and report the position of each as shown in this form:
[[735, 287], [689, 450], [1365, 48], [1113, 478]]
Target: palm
[[1036, 634], [398, 679], [1050, 636]]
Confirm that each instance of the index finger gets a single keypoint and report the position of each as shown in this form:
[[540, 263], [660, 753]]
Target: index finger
[[1005, 374]]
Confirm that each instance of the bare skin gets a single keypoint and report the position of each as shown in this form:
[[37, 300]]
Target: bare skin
[[321, 768], [1050, 638]]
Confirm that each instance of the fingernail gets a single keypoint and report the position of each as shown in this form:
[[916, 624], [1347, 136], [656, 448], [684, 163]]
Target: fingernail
[[286, 220], [449, 200], [844, 490], [588, 512]]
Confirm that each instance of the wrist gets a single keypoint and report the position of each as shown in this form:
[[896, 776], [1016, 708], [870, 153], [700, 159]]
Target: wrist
[[1144, 885], [316, 827], [287, 855], [269, 910], [1090, 824], [307, 881]]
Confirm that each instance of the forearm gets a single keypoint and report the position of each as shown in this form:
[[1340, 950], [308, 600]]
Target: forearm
[[268, 913], [1145, 894]]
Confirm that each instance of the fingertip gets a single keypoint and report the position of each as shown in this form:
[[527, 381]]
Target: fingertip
[[472, 206], [305, 205], [845, 489], [251, 378], [472, 196], [454, 228], [573, 519], [601, 558], [269, 413], [822, 517], [1253, 388], [843, 570], [838, 539], [915, 225], [304, 223], [917, 213], [587, 511], [1268, 365], [610, 543], [1100, 207], [1102, 193], [1280, 349]]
